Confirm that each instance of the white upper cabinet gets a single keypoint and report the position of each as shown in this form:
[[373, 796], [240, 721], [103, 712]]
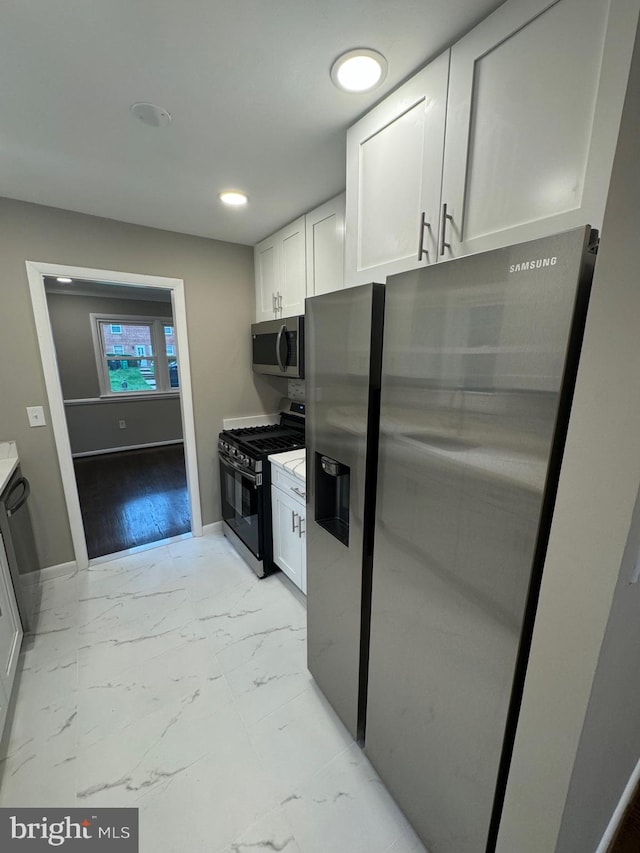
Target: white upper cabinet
[[394, 173], [325, 247], [280, 273], [534, 106], [532, 97]]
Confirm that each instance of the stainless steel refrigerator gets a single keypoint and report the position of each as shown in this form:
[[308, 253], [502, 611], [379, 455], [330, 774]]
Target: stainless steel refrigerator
[[343, 351], [478, 366]]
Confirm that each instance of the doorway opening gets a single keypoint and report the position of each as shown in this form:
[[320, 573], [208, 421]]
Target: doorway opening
[[115, 357]]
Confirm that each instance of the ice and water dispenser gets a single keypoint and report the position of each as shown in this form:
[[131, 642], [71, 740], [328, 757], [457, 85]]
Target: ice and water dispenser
[[332, 496]]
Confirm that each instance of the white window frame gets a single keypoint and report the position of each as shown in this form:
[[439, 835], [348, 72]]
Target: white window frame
[[159, 357]]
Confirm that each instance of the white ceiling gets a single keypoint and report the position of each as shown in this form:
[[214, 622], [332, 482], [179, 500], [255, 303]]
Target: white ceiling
[[246, 81]]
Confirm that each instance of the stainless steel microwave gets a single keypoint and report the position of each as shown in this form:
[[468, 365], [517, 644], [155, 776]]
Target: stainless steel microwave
[[278, 347]]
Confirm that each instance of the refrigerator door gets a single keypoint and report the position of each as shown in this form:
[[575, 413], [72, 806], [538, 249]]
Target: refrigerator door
[[342, 357], [473, 418]]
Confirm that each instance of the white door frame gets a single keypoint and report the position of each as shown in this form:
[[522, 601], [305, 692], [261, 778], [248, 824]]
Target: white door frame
[[36, 270]]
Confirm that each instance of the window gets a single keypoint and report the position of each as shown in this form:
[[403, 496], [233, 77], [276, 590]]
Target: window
[[141, 362]]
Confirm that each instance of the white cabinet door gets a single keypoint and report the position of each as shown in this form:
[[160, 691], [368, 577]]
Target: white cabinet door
[[280, 273], [394, 173], [10, 634], [266, 257], [325, 247], [288, 535], [293, 269], [534, 105]]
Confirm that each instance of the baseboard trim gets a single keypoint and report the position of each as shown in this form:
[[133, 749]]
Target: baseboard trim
[[64, 569], [127, 447], [50, 572]]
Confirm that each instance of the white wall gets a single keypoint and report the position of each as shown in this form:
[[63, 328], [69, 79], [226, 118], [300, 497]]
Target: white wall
[[595, 505]]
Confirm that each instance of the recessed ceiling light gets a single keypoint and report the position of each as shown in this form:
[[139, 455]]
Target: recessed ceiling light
[[63, 280], [233, 198], [151, 114], [359, 70]]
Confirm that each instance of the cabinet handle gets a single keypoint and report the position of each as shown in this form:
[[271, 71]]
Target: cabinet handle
[[423, 224], [273, 303], [280, 303], [443, 244], [300, 530], [298, 492], [293, 521]]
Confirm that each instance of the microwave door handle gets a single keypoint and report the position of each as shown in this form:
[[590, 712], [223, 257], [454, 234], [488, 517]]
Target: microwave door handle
[[281, 336]]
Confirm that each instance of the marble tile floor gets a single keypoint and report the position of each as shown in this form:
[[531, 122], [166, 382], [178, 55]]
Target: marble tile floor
[[175, 681]]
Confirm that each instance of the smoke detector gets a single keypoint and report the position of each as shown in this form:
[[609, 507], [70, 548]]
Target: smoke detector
[[151, 114]]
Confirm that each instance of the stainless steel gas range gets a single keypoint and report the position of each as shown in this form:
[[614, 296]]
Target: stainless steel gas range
[[245, 482]]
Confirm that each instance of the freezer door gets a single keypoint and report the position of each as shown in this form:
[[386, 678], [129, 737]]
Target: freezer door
[[471, 413], [340, 495]]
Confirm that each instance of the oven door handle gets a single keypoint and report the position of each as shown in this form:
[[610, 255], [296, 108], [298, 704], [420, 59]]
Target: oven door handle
[[229, 464], [22, 483], [279, 339]]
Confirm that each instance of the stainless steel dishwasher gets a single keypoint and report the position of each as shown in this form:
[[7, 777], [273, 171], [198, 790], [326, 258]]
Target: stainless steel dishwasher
[[17, 534]]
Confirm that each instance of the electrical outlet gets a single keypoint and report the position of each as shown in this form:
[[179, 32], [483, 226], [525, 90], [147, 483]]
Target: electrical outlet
[[122, 424], [36, 416]]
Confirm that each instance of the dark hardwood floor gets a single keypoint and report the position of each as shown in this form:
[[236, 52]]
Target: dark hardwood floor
[[132, 498]]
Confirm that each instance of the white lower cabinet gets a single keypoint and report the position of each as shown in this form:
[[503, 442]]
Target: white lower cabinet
[[10, 635], [288, 512]]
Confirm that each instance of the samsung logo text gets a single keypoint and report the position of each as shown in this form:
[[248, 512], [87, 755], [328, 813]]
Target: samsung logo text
[[534, 265]]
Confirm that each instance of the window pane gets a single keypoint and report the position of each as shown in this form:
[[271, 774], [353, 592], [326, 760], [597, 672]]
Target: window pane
[[131, 374], [174, 378], [129, 338], [169, 340]]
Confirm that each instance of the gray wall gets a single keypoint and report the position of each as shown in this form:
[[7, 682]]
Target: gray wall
[[219, 293], [583, 668], [609, 746], [94, 426]]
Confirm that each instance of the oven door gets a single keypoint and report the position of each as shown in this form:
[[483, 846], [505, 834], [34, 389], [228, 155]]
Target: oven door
[[242, 506]]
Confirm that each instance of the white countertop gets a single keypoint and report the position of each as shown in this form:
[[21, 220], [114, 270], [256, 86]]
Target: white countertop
[[8, 461], [293, 461]]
